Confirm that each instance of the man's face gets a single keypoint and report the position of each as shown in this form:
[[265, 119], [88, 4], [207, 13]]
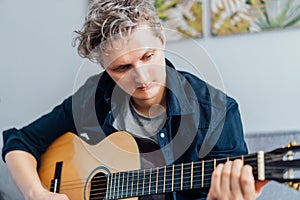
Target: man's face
[[138, 66]]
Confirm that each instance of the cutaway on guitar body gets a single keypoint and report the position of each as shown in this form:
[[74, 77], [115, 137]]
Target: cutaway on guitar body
[[85, 168]]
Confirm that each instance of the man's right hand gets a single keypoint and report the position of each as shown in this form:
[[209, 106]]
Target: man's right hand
[[22, 167], [44, 194]]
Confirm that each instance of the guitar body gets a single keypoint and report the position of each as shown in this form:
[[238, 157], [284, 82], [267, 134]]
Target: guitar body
[[81, 164]]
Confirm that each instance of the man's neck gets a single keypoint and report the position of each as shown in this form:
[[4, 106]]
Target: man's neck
[[150, 108]]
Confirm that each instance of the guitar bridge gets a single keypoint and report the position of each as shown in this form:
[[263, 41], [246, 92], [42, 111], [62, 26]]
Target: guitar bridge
[[55, 183]]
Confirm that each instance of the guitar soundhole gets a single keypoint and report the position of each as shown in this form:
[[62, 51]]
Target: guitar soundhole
[[98, 186]]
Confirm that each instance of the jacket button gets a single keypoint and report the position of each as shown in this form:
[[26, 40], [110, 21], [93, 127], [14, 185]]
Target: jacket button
[[162, 135]]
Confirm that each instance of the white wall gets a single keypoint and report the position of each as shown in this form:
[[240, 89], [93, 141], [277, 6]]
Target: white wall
[[37, 62], [38, 65], [262, 72]]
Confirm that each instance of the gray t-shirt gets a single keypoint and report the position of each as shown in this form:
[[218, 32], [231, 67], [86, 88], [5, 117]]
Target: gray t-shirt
[[139, 125]]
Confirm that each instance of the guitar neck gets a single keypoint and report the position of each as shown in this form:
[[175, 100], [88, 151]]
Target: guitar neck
[[160, 180]]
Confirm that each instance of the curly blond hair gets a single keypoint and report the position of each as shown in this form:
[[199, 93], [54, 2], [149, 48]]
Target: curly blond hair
[[108, 18]]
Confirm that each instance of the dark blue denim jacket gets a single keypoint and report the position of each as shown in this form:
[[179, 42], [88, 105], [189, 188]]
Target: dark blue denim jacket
[[202, 122]]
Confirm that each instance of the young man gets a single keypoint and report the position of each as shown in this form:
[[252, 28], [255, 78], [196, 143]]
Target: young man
[[142, 93]]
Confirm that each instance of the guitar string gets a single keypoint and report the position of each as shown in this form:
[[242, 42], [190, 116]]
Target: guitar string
[[134, 185], [138, 192], [207, 177], [121, 188], [159, 181], [120, 191], [207, 164], [71, 182], [175, 179]]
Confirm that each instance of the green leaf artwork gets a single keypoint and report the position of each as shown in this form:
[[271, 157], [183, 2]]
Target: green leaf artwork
[[183, 17], [248, 16]]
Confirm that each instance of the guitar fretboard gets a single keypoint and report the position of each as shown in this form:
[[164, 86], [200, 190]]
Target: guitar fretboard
[[166, 179]]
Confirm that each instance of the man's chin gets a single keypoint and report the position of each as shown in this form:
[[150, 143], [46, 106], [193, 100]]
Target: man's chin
[[142, 98]]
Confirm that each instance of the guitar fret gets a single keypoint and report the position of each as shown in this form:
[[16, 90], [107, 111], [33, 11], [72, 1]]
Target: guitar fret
[[152, 184], [118, 184], [150, 181], [181, 179], [147, 180], [132, 182], [118, 187], [243, 159], [127, 183], [122, 193], [215, 163], [107, 187], [157, 180], [137, 183], [144, 179], [192, 174], [114, 187], [164, 186], [202, 182], [111, 186], [172, 178], [140, 183]]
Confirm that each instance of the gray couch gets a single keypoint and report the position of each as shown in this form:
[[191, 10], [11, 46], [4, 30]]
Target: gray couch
[[256, 142]]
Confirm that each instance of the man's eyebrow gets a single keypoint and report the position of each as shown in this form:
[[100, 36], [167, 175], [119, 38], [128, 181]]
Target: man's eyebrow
[[147, 50], [118, 65], [150, 49]]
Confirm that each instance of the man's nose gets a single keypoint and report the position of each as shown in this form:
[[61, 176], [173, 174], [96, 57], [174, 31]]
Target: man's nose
[[140, 74]]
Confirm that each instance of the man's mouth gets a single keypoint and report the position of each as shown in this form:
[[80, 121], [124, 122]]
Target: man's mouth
[[145, 86]]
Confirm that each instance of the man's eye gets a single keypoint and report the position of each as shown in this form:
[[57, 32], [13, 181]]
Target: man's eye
[[122, 68], [149, 56]]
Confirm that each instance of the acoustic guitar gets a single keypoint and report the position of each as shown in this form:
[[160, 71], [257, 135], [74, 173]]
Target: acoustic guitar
[[112, 169]]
